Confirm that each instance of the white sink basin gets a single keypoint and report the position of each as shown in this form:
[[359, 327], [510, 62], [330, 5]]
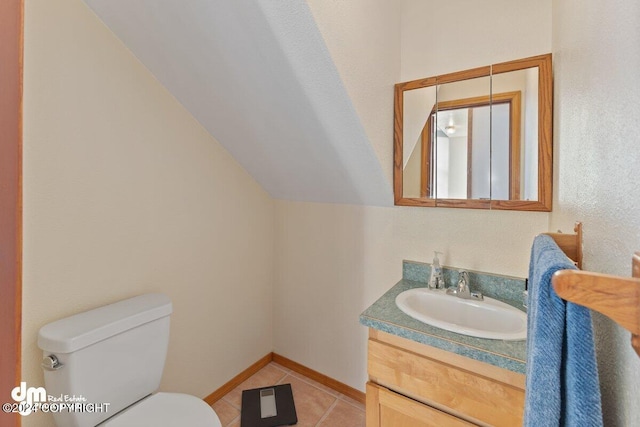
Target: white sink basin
[[484, 319]]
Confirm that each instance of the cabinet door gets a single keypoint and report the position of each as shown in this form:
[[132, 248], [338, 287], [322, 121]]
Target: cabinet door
[[388, 409], [478, 397]]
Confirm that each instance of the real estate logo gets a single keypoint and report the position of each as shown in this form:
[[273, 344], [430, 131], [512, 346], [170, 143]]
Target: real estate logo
[[34, 399], [26, 398]]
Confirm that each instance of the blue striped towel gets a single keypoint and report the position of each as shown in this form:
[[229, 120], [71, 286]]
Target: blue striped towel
[[562, 387]]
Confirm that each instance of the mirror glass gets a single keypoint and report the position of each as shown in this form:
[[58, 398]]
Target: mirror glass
[[523, 158], [478, 138], [463, 137], [419, 105]]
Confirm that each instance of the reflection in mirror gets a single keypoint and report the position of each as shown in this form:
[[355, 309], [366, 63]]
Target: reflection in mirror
[[477, 133], [418, 104], [479, 138], [462, 140], [525, 151]]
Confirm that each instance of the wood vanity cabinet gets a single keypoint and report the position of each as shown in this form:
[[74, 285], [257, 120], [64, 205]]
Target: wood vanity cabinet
[[415, 385]]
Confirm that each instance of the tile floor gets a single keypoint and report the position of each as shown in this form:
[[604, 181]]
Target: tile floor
[[316, 404]]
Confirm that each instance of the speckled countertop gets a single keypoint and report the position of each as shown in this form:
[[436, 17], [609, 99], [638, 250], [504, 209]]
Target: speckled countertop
[[385, 316]]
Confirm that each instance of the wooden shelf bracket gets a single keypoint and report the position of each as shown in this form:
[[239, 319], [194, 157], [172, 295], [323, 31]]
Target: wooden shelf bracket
[[616, 297]]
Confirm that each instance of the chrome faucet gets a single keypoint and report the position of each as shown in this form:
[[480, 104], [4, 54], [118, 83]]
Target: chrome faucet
[[462, 290]]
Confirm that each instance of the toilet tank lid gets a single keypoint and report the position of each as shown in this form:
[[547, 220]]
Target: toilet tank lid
[[83, 329]]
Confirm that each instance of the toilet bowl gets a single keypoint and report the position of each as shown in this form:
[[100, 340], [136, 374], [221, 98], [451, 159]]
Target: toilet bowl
[[112, 358], [166, 409]]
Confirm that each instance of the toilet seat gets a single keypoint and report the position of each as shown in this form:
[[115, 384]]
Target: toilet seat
[[166, 410]]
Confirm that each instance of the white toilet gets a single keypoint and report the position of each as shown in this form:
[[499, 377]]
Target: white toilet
[[115, 355]]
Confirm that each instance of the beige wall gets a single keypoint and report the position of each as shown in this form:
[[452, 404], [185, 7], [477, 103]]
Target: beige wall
[[596, 58], [442, 36], [125, 193], [335, 260]]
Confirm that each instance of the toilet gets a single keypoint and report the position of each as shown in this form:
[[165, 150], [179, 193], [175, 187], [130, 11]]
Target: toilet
[[105, 365]]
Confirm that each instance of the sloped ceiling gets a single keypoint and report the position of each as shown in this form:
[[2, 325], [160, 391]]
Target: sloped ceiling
[[258, 76]]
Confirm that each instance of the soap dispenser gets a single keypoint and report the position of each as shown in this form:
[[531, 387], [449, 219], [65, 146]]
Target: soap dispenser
[[436, 281]]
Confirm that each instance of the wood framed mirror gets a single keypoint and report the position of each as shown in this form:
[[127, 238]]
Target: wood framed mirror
[[479, 138]]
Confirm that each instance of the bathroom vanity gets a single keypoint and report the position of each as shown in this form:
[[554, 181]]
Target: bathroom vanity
[[421, 375]]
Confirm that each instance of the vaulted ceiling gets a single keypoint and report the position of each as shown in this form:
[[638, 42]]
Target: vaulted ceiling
[[258, 76]]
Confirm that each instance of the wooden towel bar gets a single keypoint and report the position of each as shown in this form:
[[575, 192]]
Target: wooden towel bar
[[616, 297]]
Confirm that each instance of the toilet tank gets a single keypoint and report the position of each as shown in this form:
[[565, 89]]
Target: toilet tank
[[110, 355]]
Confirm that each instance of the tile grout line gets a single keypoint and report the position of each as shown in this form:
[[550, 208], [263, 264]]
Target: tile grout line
[[233, 421], [326, 414], [278, 366], [311, 382], [238, 408], [356, 405], [224, 398], [333, 393], [230, 403], [337, 395]]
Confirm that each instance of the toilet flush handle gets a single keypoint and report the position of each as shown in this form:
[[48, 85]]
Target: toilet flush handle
[[51, 363]]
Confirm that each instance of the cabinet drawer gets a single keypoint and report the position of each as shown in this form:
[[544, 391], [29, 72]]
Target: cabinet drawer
[[388, 409], [452, 389]]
